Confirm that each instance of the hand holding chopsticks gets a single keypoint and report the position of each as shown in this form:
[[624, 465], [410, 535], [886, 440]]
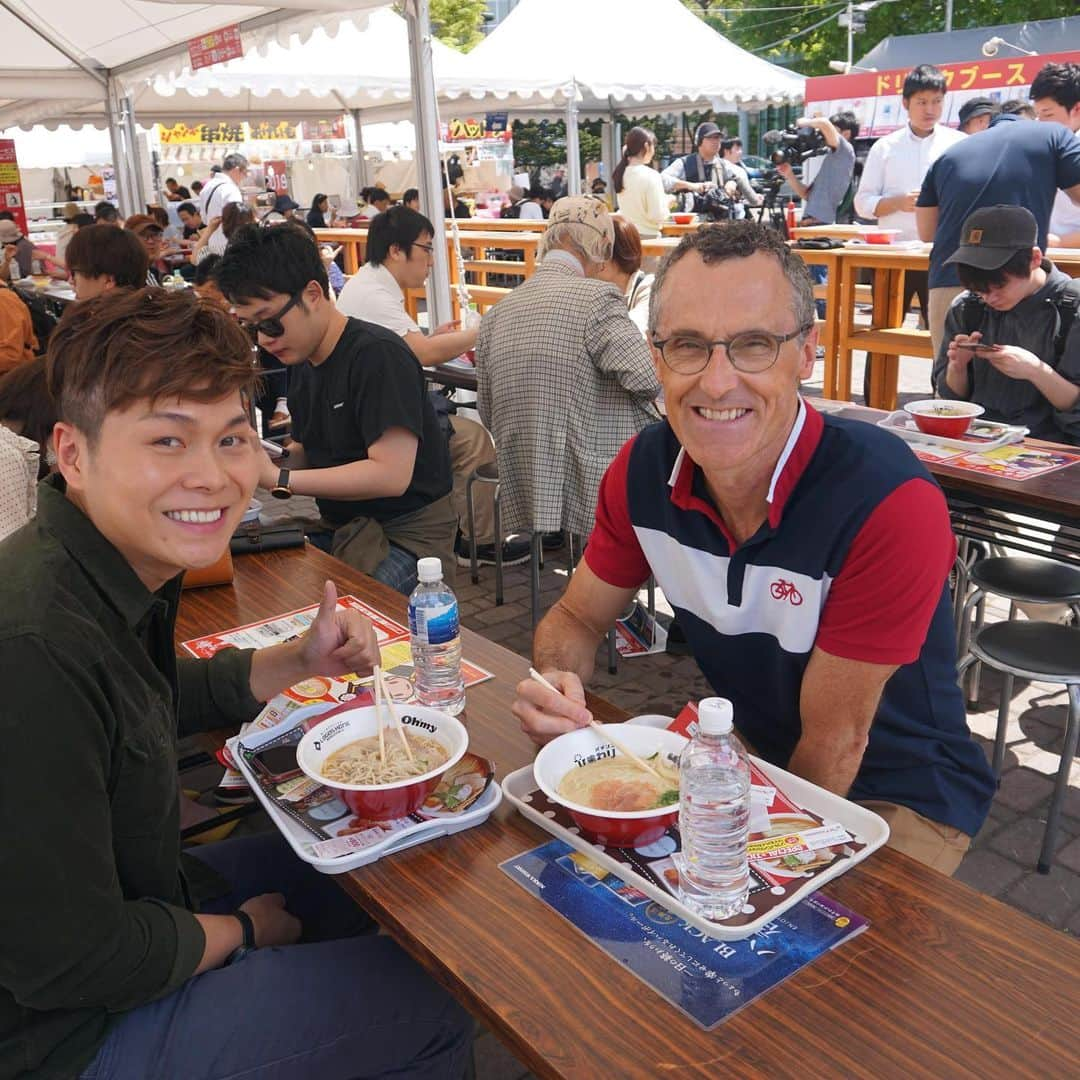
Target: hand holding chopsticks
[[383, 699], [602, 730]]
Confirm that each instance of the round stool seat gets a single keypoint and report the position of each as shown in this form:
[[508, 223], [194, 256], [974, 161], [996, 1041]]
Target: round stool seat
[[1021, 577], [1034, 650]]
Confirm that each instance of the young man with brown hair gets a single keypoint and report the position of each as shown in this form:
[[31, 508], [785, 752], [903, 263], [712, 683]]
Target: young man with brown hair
[[119, 959], [102, 257]]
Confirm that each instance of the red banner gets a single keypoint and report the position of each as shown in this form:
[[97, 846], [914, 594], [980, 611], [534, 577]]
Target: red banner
[[277, 177], [875, 96], [11, 184], [215, 48]]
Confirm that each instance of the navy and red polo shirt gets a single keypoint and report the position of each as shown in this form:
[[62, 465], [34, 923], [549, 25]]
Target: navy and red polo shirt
[[853, 559]]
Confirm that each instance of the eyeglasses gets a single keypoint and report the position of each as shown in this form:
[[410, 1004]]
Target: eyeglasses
[[272, 326], [752, 352], [429, 248]]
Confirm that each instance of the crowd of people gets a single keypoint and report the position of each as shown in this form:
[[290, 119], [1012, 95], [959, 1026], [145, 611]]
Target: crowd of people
[[657, 416]]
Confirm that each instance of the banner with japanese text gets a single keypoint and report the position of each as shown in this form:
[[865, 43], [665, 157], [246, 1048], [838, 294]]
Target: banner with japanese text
[[875, 96], [215, 48]]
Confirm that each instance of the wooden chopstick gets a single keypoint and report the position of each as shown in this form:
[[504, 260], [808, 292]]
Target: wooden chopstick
[[378, 714], [388, 702], [602, 730]]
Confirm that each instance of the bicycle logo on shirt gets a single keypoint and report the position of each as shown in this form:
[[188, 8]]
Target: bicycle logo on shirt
[[785, 590]]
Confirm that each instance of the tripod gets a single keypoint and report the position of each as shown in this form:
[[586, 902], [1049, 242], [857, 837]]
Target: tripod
[[771, 190]]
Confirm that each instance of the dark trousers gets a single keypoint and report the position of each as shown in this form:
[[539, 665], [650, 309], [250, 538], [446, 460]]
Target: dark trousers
[[331, 1007]]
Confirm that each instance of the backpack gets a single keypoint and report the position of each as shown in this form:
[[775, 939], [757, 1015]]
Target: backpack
[[512, 211], [42, 319], [974, 310]]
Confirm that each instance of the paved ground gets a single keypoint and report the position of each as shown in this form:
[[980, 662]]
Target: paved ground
[[1002, 859]]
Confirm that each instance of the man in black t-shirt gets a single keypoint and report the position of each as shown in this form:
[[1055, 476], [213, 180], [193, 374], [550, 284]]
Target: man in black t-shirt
[[368, 444]]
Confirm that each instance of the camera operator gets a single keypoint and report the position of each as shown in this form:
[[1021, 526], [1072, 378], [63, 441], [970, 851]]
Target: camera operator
[[699, 171], [822, 197]]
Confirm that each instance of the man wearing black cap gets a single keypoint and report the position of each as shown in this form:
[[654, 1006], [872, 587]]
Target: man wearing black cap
[[701, 170], [1011, 342], [976, 114]]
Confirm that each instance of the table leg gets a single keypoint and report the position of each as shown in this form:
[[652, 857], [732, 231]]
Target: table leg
[[830, 333], [350, 256], [845, 323]]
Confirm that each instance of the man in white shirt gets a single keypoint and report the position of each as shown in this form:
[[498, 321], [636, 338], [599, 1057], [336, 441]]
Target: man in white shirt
[[223, 187], [1055, 92], [399, 254], [896, 165]]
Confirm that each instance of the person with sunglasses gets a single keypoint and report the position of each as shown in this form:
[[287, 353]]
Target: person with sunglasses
[[367, 440], [805, 556], [400, 254]]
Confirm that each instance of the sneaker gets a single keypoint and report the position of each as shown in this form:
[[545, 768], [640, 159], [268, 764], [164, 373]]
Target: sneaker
[[515, 550], [553, 541]]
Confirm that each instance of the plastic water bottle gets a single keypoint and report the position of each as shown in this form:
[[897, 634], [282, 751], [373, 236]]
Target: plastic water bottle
[[436, 640], [714, 816]]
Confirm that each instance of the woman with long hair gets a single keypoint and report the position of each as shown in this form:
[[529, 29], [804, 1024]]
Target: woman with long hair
[[639, 191], [624, 271], [320, 207]]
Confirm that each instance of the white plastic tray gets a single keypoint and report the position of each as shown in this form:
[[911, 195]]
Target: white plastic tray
[[864, 825], [301, 841], [900, 423]]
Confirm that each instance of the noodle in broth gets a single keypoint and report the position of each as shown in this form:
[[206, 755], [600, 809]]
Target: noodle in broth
[[360, 762], [618, 784]]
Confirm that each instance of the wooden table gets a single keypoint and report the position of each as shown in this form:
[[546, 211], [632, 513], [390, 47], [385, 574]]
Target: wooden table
[[984, 507], [946, 982], [886, 339]]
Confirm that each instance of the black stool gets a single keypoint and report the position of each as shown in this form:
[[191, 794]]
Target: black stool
[[1018, 578], [1046, 652]]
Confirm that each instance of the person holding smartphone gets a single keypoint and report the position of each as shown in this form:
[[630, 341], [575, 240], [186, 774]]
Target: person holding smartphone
[[1011, 342]]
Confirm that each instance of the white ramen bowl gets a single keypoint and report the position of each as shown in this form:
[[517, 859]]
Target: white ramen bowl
[[615, 828], [382, 802]]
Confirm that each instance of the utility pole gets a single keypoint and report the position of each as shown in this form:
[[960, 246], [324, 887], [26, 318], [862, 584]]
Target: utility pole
[[851, 33], [948, 15]]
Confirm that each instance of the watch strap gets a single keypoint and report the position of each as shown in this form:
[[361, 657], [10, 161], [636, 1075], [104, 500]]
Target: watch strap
[[281, 489], [248, 928]]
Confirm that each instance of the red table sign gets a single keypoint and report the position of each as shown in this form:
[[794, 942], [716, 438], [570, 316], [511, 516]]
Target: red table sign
[[11, 196], [215, 48]]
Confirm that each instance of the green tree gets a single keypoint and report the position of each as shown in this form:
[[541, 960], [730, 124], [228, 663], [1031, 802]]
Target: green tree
[[778, 34], [458, 23]]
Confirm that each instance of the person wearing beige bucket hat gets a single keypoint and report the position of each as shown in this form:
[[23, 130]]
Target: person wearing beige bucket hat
[[564, 376]]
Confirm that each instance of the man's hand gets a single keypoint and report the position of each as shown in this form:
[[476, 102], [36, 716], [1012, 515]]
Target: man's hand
[[273, 924], [338, 641], [907, 202], [447, 328], [785, 169], [544, 714], [1015, 362], [959, 356]]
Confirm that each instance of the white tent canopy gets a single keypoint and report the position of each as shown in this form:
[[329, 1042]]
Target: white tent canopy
[[616, 54], [320, 73]]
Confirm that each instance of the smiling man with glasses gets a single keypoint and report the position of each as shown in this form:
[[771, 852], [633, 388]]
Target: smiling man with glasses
[[367, 442], [806, 557]]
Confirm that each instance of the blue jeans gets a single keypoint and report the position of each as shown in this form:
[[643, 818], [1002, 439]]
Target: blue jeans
[[331, 1007]]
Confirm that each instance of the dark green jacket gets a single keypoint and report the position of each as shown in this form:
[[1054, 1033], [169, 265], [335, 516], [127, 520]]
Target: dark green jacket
[[95, 912]]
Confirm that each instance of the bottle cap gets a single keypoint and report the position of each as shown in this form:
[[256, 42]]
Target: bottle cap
[[429, 570], [715, 716]]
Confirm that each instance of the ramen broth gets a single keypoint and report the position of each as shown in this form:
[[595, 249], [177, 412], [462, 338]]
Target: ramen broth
[[618, 784], [361, 763]]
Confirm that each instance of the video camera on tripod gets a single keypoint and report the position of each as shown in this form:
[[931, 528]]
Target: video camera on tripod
[[794, 145]]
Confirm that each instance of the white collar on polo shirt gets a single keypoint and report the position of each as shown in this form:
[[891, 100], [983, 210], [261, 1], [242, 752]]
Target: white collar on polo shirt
[[565, 258]]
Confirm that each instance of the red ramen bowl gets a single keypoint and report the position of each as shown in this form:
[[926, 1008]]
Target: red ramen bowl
[[949, 419], [683, 219], [382, 802], [611, 828]]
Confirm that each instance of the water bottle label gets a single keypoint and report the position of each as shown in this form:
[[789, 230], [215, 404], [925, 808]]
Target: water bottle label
[[434, 625]]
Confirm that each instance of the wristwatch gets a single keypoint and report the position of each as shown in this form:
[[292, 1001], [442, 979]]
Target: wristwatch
[[281, 489], [248, 927]]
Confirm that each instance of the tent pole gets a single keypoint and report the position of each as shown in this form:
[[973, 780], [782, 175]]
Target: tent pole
[[744, 129], [122, 137], [429, 166], [573, 149], [358, 148]]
